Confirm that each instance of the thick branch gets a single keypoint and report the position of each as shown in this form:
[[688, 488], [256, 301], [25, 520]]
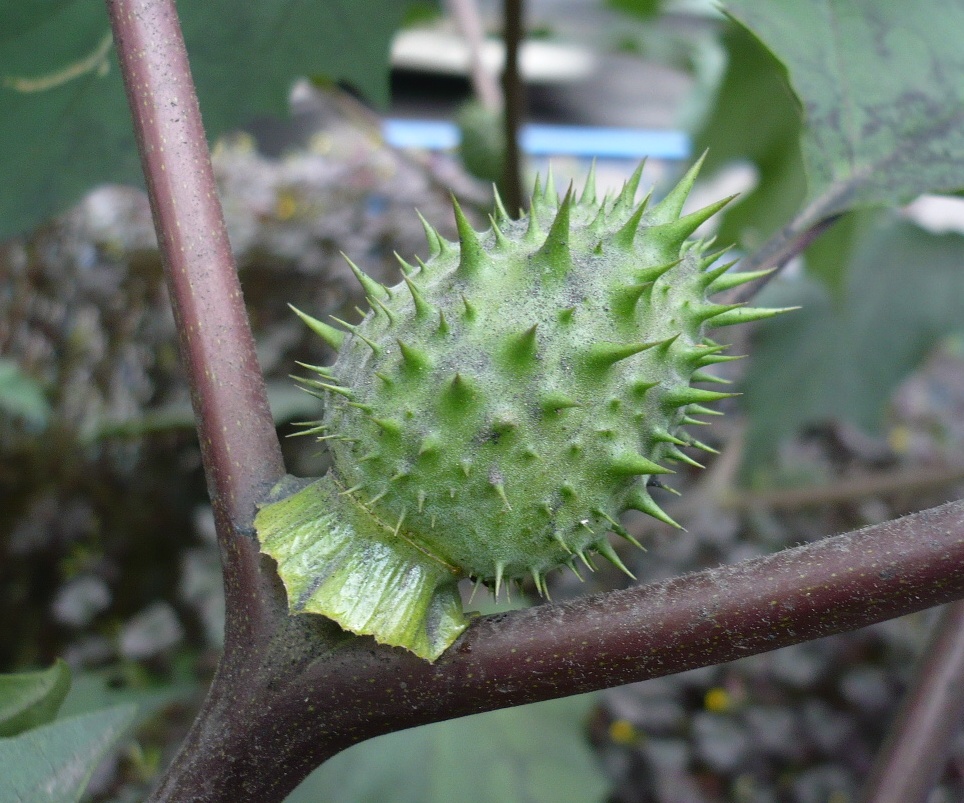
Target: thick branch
[[239, 447], [296, 710], [242, 457]]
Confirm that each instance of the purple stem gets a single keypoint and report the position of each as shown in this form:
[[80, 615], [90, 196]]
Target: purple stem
[[916, 750], [789, 242], [239, 446], [297, 707]]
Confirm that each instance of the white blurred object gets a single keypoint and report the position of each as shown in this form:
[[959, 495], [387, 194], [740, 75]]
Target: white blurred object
[[938, 214], [80, 600], [445, 52], [150, 632]]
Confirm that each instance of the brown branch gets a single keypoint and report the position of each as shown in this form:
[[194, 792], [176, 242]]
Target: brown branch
[[239, 446], [466, 15], [791, 241], [884, 483], [513, 94], [298, 708], [920, 739]]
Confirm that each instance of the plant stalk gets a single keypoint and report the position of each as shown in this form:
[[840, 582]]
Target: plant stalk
[[239, 446], [298, 708], [467, 18], [513, 92], [789, 242], [917, 746]]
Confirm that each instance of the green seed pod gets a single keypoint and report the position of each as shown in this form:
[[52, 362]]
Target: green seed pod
[[495, 412]]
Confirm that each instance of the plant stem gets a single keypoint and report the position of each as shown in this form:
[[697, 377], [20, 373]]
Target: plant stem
[[466, 15], [905, 480], [239, 446], [513, 92], [297, 709], [920, 739], [789, 242]]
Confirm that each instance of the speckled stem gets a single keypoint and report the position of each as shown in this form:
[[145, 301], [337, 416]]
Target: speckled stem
[[298, 708], [239, 447]]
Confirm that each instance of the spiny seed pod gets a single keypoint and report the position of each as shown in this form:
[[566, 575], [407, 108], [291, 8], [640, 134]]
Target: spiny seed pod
[[495, 412]]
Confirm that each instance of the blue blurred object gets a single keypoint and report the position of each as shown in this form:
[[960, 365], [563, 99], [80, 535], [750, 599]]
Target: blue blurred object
[[543, 140]]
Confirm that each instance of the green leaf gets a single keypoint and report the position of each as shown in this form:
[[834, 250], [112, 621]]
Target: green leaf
[[22, 396], [30, 699], [95, 691], [530, 754], [647, 9], [53, 763], [65, 124], [482, 141], [337, 560], [828, 258], [882, 86], [755, 119], [841, 360]]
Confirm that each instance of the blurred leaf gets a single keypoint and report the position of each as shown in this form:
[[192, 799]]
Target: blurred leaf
[[30, 699], [647, 9], [21, 395], [481, 141], [755, 119], [882, 86], [94, 691], [841, 360], [53, 763], [530, 754], [421, 12], [65, 124], [829, 256]]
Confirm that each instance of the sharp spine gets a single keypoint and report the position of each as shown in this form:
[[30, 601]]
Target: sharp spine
[[604, 548], [671, 206], [630, 464], [604, 355], [471, 251], [748, 315], [730, 280], [640, 500], [333, 337], [555, 249], [422, 308], [369, 285]]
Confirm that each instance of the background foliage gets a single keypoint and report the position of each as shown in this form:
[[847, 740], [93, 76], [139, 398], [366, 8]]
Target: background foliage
[[66, 125]]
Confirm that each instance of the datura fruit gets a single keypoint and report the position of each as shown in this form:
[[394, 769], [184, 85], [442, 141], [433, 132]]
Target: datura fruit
[[495, 412]]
